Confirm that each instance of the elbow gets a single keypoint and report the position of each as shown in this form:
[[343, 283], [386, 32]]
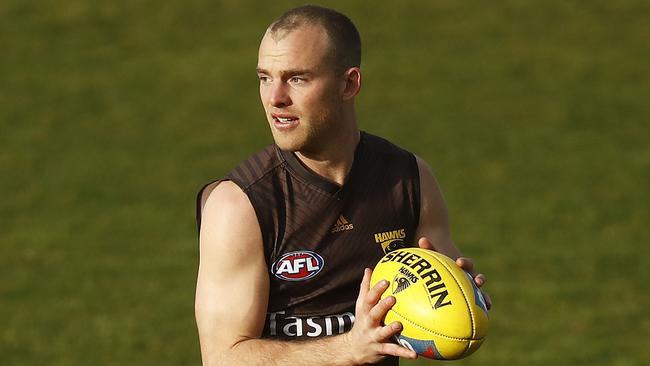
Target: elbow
[[215, 358], [216, 354]]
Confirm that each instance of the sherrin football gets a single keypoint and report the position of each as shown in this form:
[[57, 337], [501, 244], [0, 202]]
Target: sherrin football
[[440, 307]]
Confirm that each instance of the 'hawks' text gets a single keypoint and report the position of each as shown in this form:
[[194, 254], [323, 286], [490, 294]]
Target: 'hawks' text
[[390, 235]]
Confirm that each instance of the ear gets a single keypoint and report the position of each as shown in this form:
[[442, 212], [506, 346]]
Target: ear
[[352, 83]]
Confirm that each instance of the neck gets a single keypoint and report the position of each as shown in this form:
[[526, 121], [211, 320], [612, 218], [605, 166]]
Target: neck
[[335, 161]]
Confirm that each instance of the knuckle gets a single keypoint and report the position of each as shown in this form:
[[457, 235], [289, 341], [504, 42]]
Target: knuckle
[[380, 286], [384, 305], [390, 330]]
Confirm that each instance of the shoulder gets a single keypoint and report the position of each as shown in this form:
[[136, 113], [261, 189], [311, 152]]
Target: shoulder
[[235, 186], [381, 143], [256, 167], [384, 149], [224, 202], [424, 168], [428, 180], [224, 194], [431, 198], [220, 195], [227, 217]]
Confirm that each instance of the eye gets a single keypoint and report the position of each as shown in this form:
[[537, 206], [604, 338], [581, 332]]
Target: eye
[[263, 78], [296, 80]]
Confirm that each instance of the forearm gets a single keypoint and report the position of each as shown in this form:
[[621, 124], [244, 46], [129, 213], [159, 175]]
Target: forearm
[[330, 351], [448, 248]]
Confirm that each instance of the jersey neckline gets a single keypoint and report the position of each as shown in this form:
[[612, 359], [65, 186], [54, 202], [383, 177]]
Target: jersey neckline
[[307, 174]]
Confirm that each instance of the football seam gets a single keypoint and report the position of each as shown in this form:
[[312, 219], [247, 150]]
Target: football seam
[[433, 332], [462, 290]]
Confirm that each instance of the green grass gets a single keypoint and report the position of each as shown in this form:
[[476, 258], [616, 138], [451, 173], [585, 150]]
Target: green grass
[[533, 115]]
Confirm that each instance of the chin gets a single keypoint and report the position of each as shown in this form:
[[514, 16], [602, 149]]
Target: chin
[[299, 139], [287, 143]]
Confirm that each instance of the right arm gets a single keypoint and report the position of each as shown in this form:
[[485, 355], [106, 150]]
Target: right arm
[[232, 297]]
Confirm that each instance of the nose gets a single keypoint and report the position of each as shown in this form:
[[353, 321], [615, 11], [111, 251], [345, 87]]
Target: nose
[[279, 95]]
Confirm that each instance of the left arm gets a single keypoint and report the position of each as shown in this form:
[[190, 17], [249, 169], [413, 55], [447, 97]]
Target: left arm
[[433, 228], [434, 220]]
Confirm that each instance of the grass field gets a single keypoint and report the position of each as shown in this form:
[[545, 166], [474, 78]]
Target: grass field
[[113, 114]]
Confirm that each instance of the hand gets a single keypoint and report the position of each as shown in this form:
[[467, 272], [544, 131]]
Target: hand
[[370, 340], [466, 264]]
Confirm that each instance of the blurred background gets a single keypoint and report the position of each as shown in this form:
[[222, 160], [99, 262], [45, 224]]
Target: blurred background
[[533, 114]]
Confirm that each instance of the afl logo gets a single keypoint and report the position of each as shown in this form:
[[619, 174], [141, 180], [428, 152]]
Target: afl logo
[[298, 266]]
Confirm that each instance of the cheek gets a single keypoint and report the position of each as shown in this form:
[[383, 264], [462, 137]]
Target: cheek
[[263, 95], [320, 100], [265, 100]]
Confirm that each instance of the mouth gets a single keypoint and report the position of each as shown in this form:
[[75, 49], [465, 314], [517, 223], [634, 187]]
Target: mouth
[[285, 121]]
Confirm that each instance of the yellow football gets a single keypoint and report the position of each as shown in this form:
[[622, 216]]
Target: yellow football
[[442, 310]]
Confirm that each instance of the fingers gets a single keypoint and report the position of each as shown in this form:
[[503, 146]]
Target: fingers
[[388, 331], [393, 349], [373, 296], [467, 264], [488, 300], [369, 334], [424, 243], [365, 284], [376, 291], [369, 297], [480, 279], [379, 311]]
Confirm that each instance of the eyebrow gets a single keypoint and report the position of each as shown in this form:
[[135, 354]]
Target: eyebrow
[[286, 72]]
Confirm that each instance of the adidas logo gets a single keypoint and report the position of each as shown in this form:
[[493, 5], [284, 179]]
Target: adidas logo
[[342, 224]]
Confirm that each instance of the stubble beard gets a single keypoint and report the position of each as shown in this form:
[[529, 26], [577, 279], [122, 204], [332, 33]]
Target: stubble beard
[[309, 136], [303, 138]]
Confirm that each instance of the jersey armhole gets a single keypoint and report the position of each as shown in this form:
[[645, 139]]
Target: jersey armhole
[[200, 202], [201, 197]]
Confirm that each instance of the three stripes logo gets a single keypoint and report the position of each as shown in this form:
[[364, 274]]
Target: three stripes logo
[[342, 225]]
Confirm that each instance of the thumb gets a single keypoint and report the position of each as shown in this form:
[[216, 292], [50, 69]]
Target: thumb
[[424, 243]]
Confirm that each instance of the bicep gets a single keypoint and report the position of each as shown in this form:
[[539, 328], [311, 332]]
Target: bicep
[[232, 285], [434, 219]]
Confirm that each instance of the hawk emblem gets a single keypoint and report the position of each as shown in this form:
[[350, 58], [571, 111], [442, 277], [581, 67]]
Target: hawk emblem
[[400, 284]]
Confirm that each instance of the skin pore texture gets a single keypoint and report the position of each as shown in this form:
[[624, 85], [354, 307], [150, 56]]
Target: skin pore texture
[[309, 106]]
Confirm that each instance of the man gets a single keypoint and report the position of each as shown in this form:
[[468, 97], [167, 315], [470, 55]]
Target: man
[[284, 240]]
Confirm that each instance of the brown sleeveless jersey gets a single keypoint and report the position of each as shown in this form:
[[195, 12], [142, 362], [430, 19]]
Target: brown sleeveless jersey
[[318, 237]]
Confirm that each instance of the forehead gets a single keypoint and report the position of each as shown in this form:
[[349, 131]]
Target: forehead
[[306, 47]]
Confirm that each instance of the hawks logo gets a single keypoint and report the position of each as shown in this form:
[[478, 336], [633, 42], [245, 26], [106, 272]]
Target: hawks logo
[[298, 266], [391, 240], [403, 280], [400, 284]]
